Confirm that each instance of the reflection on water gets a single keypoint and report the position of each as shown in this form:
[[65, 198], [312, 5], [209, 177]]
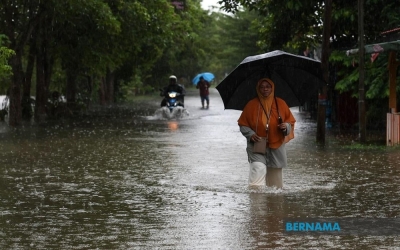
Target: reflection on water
[[125, 179], [173, 125]]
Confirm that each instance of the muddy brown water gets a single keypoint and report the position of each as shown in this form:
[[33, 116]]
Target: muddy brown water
[[128, 179]]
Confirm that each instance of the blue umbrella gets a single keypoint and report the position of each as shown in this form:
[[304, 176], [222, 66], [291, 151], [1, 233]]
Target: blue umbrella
[[206, 75]]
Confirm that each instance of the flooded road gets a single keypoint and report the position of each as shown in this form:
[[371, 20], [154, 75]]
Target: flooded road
[[127, 179]]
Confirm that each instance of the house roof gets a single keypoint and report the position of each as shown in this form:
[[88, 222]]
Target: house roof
[[389, 45], [377, 48], [390, 31]]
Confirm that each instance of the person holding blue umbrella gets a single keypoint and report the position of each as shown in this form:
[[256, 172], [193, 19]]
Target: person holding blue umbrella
[[206, 75], [203, 87]]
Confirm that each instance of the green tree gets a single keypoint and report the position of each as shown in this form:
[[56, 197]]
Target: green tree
[[19, 19], [88, 41], [5, 68], [189, 51], [307, 31], [235, 38]]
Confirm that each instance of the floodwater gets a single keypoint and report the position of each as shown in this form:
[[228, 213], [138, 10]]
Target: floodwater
[[128, 179]]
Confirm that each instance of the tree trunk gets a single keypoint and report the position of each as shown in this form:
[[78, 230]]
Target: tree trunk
[[102, 91], [43, 70], [41, 86], [110, 77], [325, 70], [14, 91], [362, 127], [15, 110], [18, 39], [89, 91], [71, 89], [27, 82]]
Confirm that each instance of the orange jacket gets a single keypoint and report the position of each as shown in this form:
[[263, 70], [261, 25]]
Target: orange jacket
[[251, 117]]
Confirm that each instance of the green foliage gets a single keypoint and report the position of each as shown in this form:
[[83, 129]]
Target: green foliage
[[347, 73], [276, 26], [133, 88], [376, 78], [5, 55], [145, 41], [187, 51], [294, 25], [364, 147], [83, 34], [240, 38], [5, 68], [149, 28]]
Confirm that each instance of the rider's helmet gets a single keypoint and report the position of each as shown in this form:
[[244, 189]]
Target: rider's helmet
[[173, 79]]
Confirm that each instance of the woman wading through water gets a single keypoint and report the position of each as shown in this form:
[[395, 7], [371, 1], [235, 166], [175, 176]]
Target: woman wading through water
[[268, 124]]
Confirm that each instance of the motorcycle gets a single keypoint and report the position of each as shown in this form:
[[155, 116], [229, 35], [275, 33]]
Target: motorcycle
[[172, 101], [173, 106]]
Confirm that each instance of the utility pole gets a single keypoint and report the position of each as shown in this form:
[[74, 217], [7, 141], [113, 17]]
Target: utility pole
[[361, 71], [322, 98]]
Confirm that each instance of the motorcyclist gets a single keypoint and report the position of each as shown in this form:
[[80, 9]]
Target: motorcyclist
[[173, 86]]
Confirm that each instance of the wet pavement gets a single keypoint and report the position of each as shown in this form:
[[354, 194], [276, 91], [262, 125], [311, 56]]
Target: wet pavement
[[130, 179]]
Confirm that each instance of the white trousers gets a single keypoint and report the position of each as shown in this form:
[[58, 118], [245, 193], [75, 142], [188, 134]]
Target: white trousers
[[258, 171]]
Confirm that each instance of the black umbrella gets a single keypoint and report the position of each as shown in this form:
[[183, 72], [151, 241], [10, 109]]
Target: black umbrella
[[296, 78]]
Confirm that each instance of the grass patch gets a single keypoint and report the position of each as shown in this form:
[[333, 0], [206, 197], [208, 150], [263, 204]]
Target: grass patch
[[359, 146]]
